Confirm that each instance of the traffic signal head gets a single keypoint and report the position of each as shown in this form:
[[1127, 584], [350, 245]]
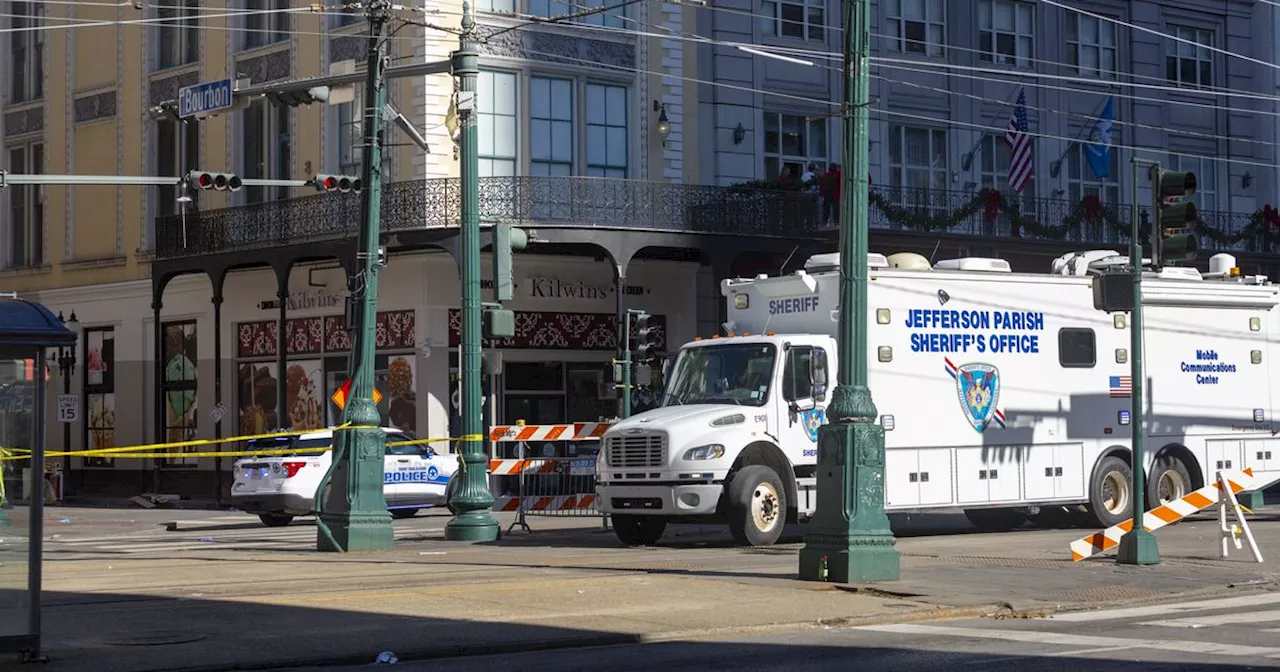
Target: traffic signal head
[[646, 338], [1176, 219], [1173, 184], [337, 183], [203, 180], [505, 239]]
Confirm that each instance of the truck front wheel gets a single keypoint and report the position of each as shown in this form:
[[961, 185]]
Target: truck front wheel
[[638, 530], [757, 506]]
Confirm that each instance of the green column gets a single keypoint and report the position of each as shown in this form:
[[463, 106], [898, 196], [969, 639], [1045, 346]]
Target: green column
[[353, 515], [849, 539], [1138, 546], [473, 500]]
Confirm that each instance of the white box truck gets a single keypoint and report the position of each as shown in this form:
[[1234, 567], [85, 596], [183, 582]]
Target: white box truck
[[1002, 394]]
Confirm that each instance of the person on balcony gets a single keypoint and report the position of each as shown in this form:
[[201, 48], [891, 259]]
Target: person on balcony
[[829, 190]]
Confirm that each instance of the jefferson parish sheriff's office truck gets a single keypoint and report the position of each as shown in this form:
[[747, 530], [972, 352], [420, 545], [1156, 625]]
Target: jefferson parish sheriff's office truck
[[1003, 394]]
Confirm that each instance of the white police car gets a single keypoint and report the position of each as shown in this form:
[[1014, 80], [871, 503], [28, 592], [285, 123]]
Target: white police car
[[280, 486]]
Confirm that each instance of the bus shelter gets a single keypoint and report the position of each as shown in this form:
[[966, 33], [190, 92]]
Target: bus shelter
[[27, 331]]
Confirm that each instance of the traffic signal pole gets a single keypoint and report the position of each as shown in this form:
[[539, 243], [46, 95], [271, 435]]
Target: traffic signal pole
[[472, 501], [353, 516], [1138, 546]]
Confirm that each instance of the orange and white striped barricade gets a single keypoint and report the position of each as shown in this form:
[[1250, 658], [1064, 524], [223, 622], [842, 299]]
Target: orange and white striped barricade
[[1229, 481], [548, 486]]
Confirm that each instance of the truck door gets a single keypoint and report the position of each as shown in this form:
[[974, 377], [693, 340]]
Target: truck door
[[799, 413]]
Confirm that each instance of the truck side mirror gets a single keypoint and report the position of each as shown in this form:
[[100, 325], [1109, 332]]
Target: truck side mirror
[[818, 374]]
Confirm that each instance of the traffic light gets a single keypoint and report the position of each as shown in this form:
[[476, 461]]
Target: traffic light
[[646, 338], [497, 322], [199, 179], [339, 183], [505, 239], [1176, 219], [296, 97]]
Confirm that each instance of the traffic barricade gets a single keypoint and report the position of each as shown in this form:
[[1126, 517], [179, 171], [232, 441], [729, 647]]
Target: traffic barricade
[[551, 485]]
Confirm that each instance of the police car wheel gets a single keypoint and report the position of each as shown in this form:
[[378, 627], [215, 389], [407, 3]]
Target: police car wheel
[[275, 519], [400, 514]]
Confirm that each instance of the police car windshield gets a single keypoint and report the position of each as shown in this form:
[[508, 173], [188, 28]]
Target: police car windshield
[[737, 373]]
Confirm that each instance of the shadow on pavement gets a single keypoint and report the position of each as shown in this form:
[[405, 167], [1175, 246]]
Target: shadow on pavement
[[135, 633]]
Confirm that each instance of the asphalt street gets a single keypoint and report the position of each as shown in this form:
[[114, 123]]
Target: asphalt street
[[1226, 634]]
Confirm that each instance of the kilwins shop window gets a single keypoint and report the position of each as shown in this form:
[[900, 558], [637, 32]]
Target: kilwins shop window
[[317, 350]]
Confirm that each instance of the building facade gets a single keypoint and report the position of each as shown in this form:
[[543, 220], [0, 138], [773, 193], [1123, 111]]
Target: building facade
[[945, 80]]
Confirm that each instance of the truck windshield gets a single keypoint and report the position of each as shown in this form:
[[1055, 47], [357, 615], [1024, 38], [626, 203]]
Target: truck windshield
[[738, 373]]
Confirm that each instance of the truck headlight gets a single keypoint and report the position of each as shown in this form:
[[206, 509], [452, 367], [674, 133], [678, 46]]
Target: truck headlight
[[713, 451]]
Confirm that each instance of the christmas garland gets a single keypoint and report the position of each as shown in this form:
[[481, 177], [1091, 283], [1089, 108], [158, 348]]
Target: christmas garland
[[1263, 224]]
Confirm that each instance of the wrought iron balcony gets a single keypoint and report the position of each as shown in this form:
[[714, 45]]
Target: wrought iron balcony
[[528, 201], [780, 210]]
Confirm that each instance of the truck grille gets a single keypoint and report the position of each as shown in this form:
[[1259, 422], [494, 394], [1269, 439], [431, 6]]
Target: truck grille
[[648, 450]]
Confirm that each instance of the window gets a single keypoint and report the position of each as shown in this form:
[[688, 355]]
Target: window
[[805, 19], [607, 144], [1082, 182], [1077, 348], [99, 361], [550, 126], [267, 148], [171, 136], [496, 123], [1206, 196], [180, 386], [265, 22], [791, 143], [26, 209], [1005, 32], [795, 374], [351, 139], [996, 157], [1186, 64], [26, 51], [554, 8], [916, 26], [1091, 46], [917, 158], [179, 34], [340, 16], [496, 6]]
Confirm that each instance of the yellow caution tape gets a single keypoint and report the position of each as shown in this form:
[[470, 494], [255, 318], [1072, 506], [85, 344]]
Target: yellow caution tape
[[158, 450]]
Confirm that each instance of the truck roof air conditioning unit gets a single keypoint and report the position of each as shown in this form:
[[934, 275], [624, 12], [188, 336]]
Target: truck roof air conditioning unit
[[975, 264], [830, 261]]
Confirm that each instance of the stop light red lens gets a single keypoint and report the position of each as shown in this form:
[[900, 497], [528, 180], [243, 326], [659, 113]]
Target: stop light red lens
[[206, 180], [330, 183]]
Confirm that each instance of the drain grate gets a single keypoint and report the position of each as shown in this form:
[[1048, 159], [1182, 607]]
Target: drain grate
[[155, 639]]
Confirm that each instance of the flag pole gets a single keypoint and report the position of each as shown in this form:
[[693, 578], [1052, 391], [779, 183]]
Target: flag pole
[[967, 161], [1056, 166]]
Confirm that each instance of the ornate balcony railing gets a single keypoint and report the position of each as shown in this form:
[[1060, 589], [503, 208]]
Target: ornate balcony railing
[[663, 206], [576, 201]]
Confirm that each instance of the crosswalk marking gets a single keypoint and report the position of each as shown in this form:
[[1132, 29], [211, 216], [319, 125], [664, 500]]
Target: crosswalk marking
[[1219, 619], [1090, 641], [1162, 609]]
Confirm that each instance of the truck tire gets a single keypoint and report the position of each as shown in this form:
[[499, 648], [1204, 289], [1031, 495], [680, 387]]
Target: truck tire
[[996, 520], [275, 519], [757, 506], [1110, 499], [638, 530], [1170, 480], [401, 514]]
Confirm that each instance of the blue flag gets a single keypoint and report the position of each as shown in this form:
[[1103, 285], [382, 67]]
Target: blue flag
[[1098, 151]]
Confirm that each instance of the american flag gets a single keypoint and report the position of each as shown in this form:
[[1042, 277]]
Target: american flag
[[1020, 165], [1121, 386]]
